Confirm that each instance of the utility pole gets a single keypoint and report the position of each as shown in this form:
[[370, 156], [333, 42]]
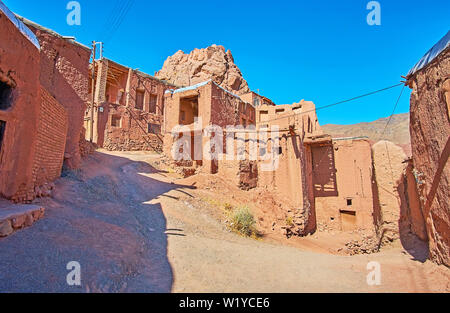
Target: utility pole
[[93, 92], [101, 49]]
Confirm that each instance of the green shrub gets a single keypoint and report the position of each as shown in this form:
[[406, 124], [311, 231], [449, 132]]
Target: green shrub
[[242, 221]]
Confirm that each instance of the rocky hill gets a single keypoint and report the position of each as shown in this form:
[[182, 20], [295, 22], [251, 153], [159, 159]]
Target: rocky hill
[[397, 132], [200, 65]]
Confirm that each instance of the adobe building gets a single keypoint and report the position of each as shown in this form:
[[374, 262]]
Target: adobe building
[[33, 124], [430, 141], [256, 99], [215, 106], [325, 180], [344, 185], [129, 108], [328, 180], [64, 73]]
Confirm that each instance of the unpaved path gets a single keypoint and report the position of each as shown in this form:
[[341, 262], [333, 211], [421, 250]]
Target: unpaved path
[[131, 229]]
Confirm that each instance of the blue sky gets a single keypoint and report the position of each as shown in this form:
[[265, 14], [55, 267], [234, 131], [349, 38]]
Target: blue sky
[[323, 51]]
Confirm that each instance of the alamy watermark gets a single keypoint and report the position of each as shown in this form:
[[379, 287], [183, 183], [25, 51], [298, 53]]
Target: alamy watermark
[[74, 15], [374, 276], [374, 16], [73, 278], [239, 142]]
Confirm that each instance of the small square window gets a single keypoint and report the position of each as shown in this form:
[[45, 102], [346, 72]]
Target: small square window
[[153, 128], [115, 121]]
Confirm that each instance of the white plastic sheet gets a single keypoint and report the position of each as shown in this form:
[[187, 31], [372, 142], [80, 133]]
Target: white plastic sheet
[[431, 54], [20, 25]]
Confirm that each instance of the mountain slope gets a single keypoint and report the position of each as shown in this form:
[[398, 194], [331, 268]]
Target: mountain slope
[[397, 131]]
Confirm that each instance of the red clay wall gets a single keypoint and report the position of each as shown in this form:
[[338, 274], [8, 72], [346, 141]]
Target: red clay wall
[[411, 216], [50, 141], [64, 73], [389, 167], [342, 179], [215, 107], [291, 178], [132, 133], [19, 66], [430, 141]]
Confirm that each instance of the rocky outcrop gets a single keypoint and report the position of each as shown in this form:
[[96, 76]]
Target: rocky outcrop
[[201, 65]]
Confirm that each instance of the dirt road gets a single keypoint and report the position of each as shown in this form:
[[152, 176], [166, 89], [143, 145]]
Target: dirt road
[[132, 230]]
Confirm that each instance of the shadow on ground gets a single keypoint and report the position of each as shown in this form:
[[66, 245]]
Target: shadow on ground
[[101, 217]]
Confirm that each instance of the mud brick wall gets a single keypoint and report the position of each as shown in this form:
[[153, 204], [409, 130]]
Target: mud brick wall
[[65, 74], [133, 132], [342, 181], [430, 135], [51, 140], [19, 68]]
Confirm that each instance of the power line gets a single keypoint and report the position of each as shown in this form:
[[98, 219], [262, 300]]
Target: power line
[[333, 104], [110, 18], [121, 16], [393, 112]]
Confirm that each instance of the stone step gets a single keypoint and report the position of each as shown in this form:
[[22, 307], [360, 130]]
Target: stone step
[[17, 216]]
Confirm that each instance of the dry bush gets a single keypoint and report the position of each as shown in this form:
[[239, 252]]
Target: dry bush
[[241, 220]]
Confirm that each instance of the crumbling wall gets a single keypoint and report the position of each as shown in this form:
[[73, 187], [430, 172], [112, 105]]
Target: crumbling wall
[[389, 166], [291, 173], [411, 216], [430, 141], [132, 134], [64, 73], [139, 129]]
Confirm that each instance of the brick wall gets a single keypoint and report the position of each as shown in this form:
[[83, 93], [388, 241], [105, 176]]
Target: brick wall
[[51, 140], [64, 73], [49, 145]]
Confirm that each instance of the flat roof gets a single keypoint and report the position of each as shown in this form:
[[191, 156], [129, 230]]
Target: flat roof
[[139, 72], [193, 87]]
